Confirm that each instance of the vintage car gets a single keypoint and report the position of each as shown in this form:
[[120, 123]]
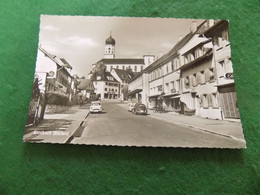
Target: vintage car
[[96, 107], [139, 108], [131, 106]]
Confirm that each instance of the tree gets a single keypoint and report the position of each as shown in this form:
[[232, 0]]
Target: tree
[[98, 70], [125, 92]]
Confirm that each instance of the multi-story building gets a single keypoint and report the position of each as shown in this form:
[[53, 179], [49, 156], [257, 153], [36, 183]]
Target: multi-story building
[[106, 86], [119, 67], [123, 77], [219, 33], [57, 78], [194, 78]]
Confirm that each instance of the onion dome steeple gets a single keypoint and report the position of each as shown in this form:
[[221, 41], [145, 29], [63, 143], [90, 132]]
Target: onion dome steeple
[[110, 41], [110, 47]]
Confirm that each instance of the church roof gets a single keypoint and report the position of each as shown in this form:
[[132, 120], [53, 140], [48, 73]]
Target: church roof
[[122, 61], [110, 41]]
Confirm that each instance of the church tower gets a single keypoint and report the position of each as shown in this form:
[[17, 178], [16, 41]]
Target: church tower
[[110, 47]]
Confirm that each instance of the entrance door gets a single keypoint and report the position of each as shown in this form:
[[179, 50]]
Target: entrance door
[[229, 105]]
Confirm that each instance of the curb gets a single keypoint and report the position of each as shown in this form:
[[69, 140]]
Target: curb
[[71, 137], [197, 128]]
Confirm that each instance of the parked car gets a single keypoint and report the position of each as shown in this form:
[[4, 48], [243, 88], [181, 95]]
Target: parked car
[[131, 106], [96, 106], [139, 108]]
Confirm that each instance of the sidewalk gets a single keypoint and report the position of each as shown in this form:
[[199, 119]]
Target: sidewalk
[[220, 127], [56, 128]]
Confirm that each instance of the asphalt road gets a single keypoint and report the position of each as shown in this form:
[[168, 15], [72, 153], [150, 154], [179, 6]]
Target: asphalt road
[[117, 126]]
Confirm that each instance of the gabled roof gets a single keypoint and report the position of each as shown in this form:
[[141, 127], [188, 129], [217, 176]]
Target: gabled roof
[[65, 62], [104, 77], [122, 74], [174, 51], [107, 61], [60, 62]]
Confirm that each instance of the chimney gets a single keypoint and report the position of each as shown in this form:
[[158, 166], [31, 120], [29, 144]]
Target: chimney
[[193, 26]]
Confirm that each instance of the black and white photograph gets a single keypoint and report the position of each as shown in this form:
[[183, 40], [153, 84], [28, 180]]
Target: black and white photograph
[[129, 81]]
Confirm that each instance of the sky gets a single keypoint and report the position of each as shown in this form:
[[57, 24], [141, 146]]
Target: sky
[[81, 39]]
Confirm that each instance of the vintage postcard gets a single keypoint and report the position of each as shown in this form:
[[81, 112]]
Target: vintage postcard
[[124, 81]]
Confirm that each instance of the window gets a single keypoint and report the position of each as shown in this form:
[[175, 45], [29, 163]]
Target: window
[[177, 85], [105, 89], [214, 100], [135, 68], [209, 75], [166, 87], [192, 80], [186, 82], [172, 65], [204, 101], [123, 67], [160, 88], [117, 67], [202, 74], [115, 90]]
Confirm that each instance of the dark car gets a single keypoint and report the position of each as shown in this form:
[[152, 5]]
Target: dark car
[[139, 108]]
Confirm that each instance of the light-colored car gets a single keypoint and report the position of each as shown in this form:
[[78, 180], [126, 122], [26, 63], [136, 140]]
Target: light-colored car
[[131, 106], [96, 106]]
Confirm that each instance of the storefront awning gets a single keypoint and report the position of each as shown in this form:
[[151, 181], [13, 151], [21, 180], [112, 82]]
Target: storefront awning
[[175, 97], [154, 96], [170, 95], [134, 91]]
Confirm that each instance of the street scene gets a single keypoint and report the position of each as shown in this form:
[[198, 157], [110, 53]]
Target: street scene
[[175, 89]]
